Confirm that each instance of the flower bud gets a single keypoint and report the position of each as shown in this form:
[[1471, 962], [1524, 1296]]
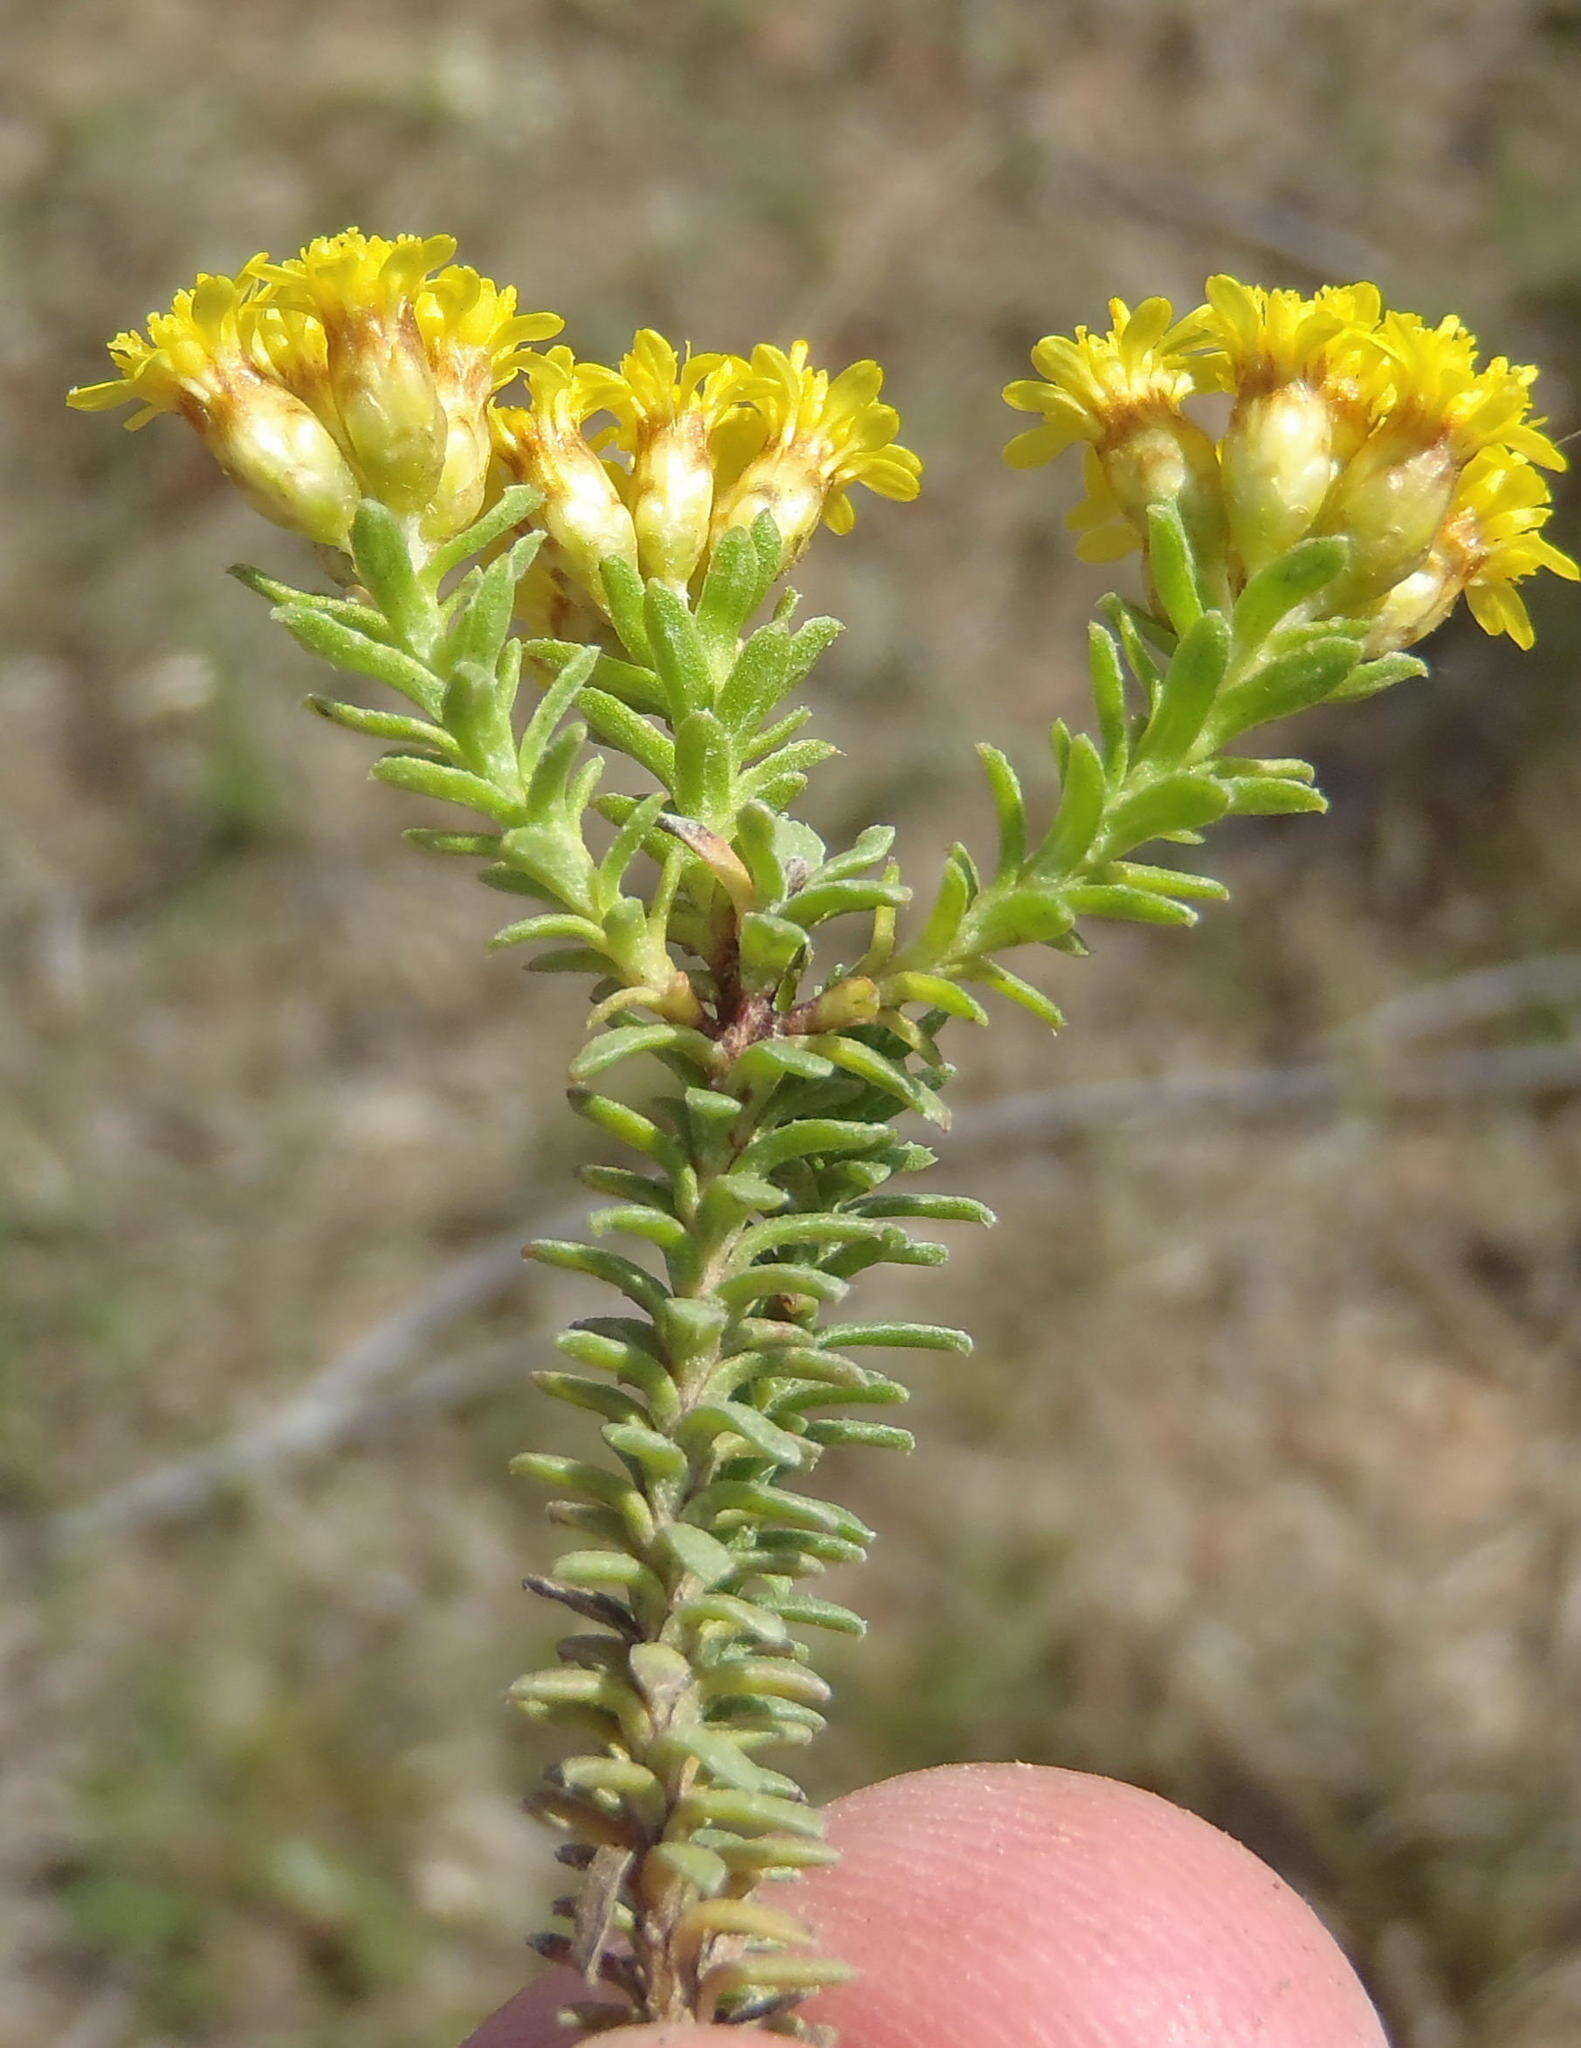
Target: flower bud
[[384, 391], [1389, 503], [281, 458], [672, 498], [1166, 459], [583, 511], [1278, 466]]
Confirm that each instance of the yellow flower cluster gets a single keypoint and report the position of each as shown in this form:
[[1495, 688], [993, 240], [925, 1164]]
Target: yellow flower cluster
[[360, 368], [365, 367], [683, 448], [1345, 419]]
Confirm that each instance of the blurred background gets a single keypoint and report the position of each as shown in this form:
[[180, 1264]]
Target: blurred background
[[1261, 1487]]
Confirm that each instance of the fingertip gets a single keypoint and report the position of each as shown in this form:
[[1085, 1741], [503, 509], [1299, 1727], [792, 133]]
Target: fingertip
[[1018, 1906]]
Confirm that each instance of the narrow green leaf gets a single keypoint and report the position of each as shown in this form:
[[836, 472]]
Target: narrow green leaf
[[1179, 802], [1080, 812], [632, 734], [333, 641], [1173, 565], [1140, 906], [1009, 806], [679, 657], [1190, 684], [516, 504], [1276, 590], [758, 680], [1108, 695], [449, 785], [385, 725], [383, 556]]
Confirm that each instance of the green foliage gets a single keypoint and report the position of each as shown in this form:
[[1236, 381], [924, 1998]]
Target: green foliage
[[769, 1175]]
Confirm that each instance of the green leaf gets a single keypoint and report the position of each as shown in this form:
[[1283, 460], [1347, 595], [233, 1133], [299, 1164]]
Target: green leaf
[[877, 1436], [769, 946], [1108, 695], [362, 618], [808, 643], [1080, 812], [732, 590], [627, 1040], [816, 904], [758, 680], [1009, 806], [384, 725], [772, 774], [1276, 590], [1020, 917], [927, 1208], [1373, 676], [333, 641], [801, 1611], [938, 935], [449, 785], [626, 599], [868, 1064], [893, 1338], [694, 1551], [516, 504], [531, 930], [1140, 906], [632, 734], [1173, 565], [679, 657], [758, 1282], [1289, 683], [772, 1057], [1173, 803], [1270, 796], [810, 1138], [1172, 881], [935, 990], [819, 1227], [755, 842], [714, 1418], [383, 556], [1011, 986], [1191, 682], [704, 769], [599, 1264]]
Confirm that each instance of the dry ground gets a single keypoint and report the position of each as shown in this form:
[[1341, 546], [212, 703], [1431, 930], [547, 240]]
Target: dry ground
[[1261, 1487]]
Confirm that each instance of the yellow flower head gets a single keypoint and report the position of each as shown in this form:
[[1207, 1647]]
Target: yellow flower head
[[212, 358], [668, 411], [1426, 384], [1247, 338], [543, 445], [1100, 387], [818, 436], [1491, 540], [413, 346]]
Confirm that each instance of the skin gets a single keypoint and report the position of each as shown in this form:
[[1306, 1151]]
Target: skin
[[1013, 1906]]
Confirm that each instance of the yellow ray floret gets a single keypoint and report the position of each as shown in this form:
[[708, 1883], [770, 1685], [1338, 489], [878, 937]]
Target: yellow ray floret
[[1494, 533], [1100, 385]]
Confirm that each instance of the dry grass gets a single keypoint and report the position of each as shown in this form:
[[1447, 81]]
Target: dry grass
[[1260, 1488]]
